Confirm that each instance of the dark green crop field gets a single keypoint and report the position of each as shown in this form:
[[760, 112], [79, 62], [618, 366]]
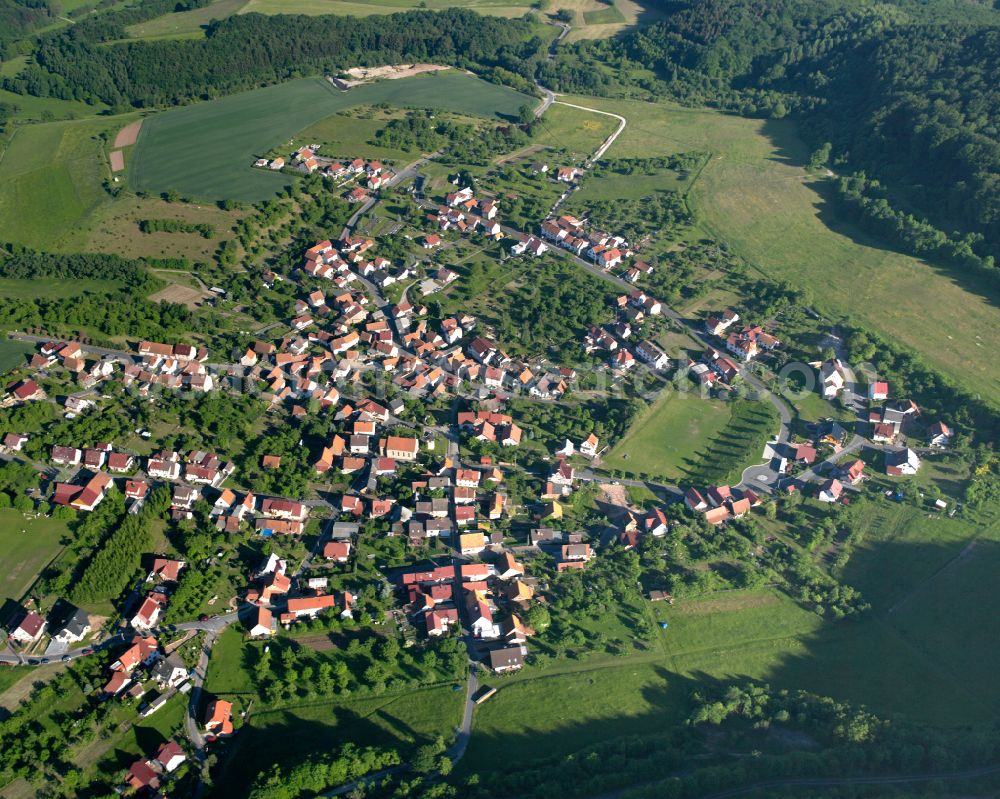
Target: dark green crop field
[[206, 150]]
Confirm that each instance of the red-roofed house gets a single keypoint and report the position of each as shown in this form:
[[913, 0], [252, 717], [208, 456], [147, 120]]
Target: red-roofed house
[[219, 717]]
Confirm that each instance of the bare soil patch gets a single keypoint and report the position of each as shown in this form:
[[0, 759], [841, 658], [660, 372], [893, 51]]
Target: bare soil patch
[[117, 159], [184, 295], [127, 136], [318, 642]]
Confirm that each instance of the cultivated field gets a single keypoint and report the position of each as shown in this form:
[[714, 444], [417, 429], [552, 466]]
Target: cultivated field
[[669, 439], [205, 150], [128, 135], [755, 195], [26, 545], [180, 294], [363, 8]]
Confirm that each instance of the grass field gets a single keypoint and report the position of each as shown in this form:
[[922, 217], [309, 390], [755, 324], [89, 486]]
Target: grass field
[[557, 715], [612, 186], [30, 108], [26, 545], [396, 722], [12, 353], [115, 229], [50, 180], [668, 438], [205, 150], [580, 132], [754, 195], [185, 23], [17, 288], [605, 16]]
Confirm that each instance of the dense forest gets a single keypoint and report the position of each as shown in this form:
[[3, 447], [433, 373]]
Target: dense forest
[[18, 18], [905, 92], [251, 49]]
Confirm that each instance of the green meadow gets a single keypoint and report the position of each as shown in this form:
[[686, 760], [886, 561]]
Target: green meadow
[[205, 151], [50, 179], [669, 439], [26, 546]]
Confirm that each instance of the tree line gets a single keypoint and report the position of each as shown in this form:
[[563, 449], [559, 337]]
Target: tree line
[[248, 50], [25, 263]]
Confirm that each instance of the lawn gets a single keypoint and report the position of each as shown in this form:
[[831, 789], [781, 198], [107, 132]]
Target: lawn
[[205, 150], [226, 674], [755, 195], [396, 722], [668, 438], [739, 444], [50, 180], [26, 546]]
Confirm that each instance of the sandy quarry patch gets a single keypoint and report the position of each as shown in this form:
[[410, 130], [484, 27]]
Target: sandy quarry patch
[[361, 75], [127, 135]]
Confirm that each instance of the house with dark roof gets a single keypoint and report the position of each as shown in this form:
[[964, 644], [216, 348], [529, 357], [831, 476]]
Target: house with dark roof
[[509, 658]]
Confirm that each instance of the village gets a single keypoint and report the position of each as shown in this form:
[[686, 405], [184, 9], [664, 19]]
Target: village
[[477, 556]]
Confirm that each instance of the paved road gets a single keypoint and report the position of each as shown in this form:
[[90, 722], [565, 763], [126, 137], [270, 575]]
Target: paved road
[[457, 749], [548, 96], [588, 476], [23, 660], [407, 172]]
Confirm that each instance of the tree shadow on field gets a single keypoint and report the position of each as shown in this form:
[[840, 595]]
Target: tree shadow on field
[[791, 150]]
